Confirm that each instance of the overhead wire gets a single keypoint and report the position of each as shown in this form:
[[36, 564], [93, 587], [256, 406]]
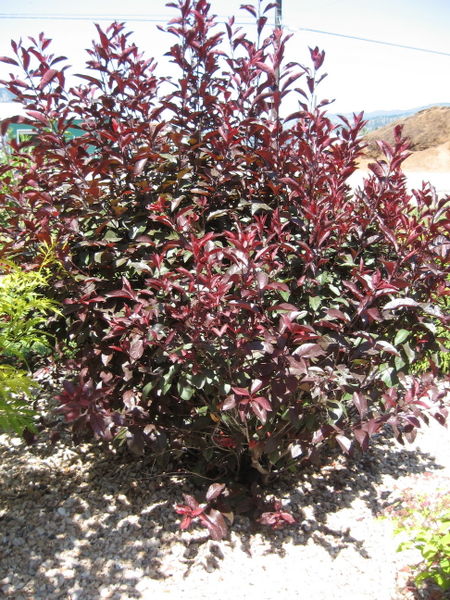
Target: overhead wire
[[165, 19], [370, 40]]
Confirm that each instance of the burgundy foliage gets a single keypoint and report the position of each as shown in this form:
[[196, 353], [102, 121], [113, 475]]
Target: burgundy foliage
[[224, 287], [209, 517]]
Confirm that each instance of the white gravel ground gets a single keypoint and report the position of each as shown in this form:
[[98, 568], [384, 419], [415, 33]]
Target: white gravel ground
[[75, 524]]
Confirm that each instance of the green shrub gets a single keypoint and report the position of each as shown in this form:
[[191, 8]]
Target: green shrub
[[440, 358], [16, 387], [427, 529], [24, 312]]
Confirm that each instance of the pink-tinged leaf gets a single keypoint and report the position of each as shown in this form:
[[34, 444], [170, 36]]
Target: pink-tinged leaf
[[129, 398], [389, 234], [92, 80], [374, 314], [401, 302], [229, 403], [38, 116], [362, 437], [287, 82], [216, 525], [269, 70], [240, 391], [337, 314], [48, 77], [116, 348], [139, 166], [186, 522], [136, 349], [276, 519], [344, 443], [294, 116], [284, 306], [191, 501], [372, 426], [309, 351], [249, 8], [440, 418], [317, 57], [387, 347], [269, 7], [263, 402], [360, 402], [411, 435], [377, 168], [268, 518], [120, 294], [9, 61], [214, 491], [261, 23], [256, 385], [414, 421], [259, 412], [287, 518], [221, 331], [262, 280], [275, 285], [352, 287]]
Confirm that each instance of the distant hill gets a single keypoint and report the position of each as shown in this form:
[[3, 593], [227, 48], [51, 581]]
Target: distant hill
[[428, 132], [427, 128], [380, 118]]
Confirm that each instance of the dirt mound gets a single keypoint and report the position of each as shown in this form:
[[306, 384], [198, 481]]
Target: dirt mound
[[429, 134], [426, 129]]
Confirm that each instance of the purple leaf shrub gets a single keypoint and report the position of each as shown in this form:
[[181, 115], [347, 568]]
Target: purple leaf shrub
[[224, 287]]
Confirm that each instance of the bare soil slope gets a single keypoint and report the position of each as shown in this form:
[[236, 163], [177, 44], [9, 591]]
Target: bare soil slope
[[429, 135]]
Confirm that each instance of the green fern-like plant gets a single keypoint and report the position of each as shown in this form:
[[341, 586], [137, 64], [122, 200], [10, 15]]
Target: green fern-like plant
[[24, 311], [428, 530], [442, 357], [15, 389]]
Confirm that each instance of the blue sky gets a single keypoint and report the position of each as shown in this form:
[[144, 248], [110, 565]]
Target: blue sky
[[362, 75]]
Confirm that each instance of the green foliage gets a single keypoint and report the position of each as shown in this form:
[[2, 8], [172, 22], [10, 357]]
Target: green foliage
[[24, 312], [428, 530], [441, 357], [15, 388]]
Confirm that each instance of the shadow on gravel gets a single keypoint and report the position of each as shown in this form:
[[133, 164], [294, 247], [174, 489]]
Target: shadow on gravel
[[85, 526]]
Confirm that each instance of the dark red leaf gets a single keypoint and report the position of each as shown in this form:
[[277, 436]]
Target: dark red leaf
[[9, 61]]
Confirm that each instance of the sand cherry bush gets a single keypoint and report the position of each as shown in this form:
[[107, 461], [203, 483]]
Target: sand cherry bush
[[229, 296]]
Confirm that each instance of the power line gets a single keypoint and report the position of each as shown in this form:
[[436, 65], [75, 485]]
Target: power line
[[165, 19], [363, 39], [81, 17]]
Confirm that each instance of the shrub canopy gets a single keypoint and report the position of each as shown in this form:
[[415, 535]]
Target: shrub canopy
[[225, 289]]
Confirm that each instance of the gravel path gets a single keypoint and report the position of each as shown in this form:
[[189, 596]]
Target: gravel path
[[76, 523]]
